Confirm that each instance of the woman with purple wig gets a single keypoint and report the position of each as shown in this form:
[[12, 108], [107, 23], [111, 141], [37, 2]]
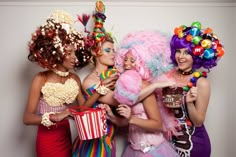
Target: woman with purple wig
[[193, 48]]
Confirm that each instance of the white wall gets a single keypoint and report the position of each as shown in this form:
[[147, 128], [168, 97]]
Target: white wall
[[19, 20]]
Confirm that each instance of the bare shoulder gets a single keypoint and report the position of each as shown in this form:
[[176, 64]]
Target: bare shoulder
[[89, 81], [203, 83], [39, 79], [76, 78], [40, 76]]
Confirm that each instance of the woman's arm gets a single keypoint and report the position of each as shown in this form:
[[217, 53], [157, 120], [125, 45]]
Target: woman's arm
[[154, 122], [30, 116], [197, 100], [106, 99], [150, 88]]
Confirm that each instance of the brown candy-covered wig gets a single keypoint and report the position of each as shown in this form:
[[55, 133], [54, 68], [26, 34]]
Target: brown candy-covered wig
[[48, 42]]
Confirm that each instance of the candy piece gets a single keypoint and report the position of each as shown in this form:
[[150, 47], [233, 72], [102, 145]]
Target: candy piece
[[186, 88], [193, 80], [108, 73]]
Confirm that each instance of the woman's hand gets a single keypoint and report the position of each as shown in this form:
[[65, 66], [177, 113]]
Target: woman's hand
[[125, 111], [191, 96], [110, 82], [60, 116], [169, 84], [107, 109]]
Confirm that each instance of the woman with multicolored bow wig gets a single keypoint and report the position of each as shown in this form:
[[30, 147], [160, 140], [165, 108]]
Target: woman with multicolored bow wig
[[101, 45], [141, 58], [193, 48], [54, 46]]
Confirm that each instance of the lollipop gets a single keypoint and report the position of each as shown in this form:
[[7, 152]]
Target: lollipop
[[107, 73]]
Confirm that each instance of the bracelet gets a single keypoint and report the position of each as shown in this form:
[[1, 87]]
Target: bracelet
[[46, 119], [101, 89]]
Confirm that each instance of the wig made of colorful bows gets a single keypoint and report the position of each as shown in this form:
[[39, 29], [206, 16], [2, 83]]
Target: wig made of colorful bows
[[48, 42], [202, 44], [150, 50], [99, 35]]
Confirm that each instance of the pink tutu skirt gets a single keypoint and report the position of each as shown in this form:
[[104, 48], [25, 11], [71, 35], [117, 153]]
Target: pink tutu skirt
[[163, 150]]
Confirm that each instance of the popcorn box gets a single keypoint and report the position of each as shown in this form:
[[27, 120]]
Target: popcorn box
[[90, 122]]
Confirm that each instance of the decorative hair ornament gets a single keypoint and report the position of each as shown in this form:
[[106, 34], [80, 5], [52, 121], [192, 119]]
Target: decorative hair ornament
[[150, 50], [99, 19], [63, 18], [99, 34], [193, 80], [206, 44], [48, 42]]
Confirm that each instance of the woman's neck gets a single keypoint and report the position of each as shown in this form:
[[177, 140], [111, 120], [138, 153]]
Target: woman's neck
[[181, 79], [100, 68], [186, 71], [61, 71], [62, 68]]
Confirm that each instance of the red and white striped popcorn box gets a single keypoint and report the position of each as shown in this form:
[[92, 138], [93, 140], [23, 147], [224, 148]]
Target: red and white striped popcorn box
[[90, 123]]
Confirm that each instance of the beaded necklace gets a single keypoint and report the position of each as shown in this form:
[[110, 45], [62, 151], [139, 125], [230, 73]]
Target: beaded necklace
[[185, 73], [193, 80]]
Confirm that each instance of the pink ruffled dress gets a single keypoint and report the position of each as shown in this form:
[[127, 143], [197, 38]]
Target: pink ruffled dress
[[142, 143]]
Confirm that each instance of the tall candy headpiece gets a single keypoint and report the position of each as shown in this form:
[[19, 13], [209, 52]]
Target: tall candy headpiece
[[99, 34], [48, 42], [205, 46]]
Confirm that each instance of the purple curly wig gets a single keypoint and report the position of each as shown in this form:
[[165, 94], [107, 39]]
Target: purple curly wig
[[193, 38]]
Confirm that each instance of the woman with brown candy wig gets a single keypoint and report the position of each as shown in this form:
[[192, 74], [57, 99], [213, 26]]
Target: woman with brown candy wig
[[54, 46]]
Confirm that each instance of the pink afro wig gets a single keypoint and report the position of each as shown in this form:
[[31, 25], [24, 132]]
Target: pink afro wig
[[128, 87], [151, 50]]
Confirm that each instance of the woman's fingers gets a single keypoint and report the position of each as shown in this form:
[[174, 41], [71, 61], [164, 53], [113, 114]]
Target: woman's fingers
[[124, 110]]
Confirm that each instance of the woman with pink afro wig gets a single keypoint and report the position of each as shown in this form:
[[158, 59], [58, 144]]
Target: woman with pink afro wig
[[142, 57], [151, 50]]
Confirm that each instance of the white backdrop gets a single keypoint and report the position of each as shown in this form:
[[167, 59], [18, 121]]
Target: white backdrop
[[19, 20]]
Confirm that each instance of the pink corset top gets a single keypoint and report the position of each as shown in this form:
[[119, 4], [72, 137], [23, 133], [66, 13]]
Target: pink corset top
[[139, 138]]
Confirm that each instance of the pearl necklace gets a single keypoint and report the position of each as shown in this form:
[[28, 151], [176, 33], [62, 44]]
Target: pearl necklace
[[61, 73]]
